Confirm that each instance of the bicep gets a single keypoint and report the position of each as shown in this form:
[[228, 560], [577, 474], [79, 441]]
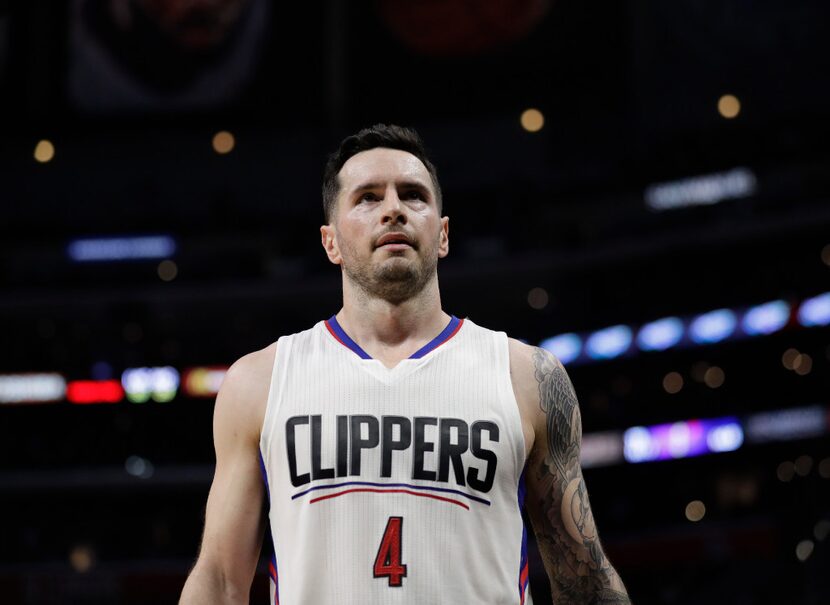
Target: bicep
[[234, 520]]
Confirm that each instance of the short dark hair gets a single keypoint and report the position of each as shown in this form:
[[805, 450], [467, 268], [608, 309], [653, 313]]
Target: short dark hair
[[379, 135]]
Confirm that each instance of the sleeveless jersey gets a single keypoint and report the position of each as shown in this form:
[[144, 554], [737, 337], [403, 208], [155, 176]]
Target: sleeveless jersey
[[391, 486]]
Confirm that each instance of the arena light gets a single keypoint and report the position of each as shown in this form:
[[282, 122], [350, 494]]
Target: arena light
[[139, 467], [682, 439], [94, 391], [203, 381], [609, 342], [142, 384], [32, 388], [688, 438], [708, 328], [726, 437], [601, 449], [566, 347], [701, 190], [766, 318], [712, 327], [638, 445], [661, 334], [785, 425], [815, 311], [108, 249]]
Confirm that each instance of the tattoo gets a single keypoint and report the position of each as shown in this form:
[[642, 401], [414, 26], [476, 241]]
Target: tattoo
[[558, 402], [566, 532]]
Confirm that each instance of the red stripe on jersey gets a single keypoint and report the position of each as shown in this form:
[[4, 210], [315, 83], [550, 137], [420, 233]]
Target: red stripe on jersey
[[336, 337], [451, 334], [389, 491]]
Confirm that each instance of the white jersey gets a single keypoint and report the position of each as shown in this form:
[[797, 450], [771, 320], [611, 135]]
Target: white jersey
[[399, 485]]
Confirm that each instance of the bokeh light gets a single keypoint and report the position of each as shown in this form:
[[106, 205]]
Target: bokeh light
[[695, 511], [673, 382], [532, 120], [538, 298], [729, 106], [167, 270], [44, 151], [223, 142]]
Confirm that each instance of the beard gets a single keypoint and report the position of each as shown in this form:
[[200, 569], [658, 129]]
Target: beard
[[395, 279]]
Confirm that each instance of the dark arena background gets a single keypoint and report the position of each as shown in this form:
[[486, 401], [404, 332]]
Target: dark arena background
[[642, 187]]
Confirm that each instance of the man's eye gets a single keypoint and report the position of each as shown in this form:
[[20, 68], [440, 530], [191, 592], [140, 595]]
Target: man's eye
[[414, 195], [368, 197]]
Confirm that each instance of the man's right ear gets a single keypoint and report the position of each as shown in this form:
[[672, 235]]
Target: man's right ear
[[329, 241]]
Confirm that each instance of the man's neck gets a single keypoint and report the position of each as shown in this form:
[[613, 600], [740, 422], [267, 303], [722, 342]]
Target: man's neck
[[389, 331]]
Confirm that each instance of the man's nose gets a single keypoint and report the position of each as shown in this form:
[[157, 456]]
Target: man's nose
[[393, 209]]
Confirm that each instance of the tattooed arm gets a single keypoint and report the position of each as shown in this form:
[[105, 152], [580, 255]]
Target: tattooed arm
[[557, 501]]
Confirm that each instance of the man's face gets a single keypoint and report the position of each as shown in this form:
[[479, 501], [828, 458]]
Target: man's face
[[386, 231]]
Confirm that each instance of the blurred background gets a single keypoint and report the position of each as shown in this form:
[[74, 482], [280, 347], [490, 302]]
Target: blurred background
[[639, 186]]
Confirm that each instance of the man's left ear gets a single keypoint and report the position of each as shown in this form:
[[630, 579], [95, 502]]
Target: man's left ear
[[328, 238], [444, 237]]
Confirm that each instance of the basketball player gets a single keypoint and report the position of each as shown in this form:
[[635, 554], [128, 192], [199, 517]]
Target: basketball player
[[392, 446]]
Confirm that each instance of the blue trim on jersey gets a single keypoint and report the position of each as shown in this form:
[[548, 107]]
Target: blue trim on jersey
[[432, 344], [445, 333], [346, 340], [522, 489], [422, 487], [264, 477], [268, 537], [523, 560]]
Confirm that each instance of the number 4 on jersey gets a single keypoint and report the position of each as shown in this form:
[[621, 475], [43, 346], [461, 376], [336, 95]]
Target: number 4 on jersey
[[388, 562]]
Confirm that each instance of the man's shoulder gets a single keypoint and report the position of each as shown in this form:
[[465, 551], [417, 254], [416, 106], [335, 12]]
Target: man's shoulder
[[530, 367], [252, 366], [522, 372], [259, 364], [244, 391], [521, 351], [529, 357]]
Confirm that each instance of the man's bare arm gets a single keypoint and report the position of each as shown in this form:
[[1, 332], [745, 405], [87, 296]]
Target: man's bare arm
[[557, 501], [234, 521]]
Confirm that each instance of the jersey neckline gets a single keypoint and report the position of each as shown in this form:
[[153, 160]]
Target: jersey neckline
[[339, 334]]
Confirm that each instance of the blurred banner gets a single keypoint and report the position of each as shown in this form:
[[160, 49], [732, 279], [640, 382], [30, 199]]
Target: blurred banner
[[162, 55]]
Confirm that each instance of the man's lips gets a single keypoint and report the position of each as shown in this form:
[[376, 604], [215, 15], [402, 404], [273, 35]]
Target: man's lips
[[394, 241]]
